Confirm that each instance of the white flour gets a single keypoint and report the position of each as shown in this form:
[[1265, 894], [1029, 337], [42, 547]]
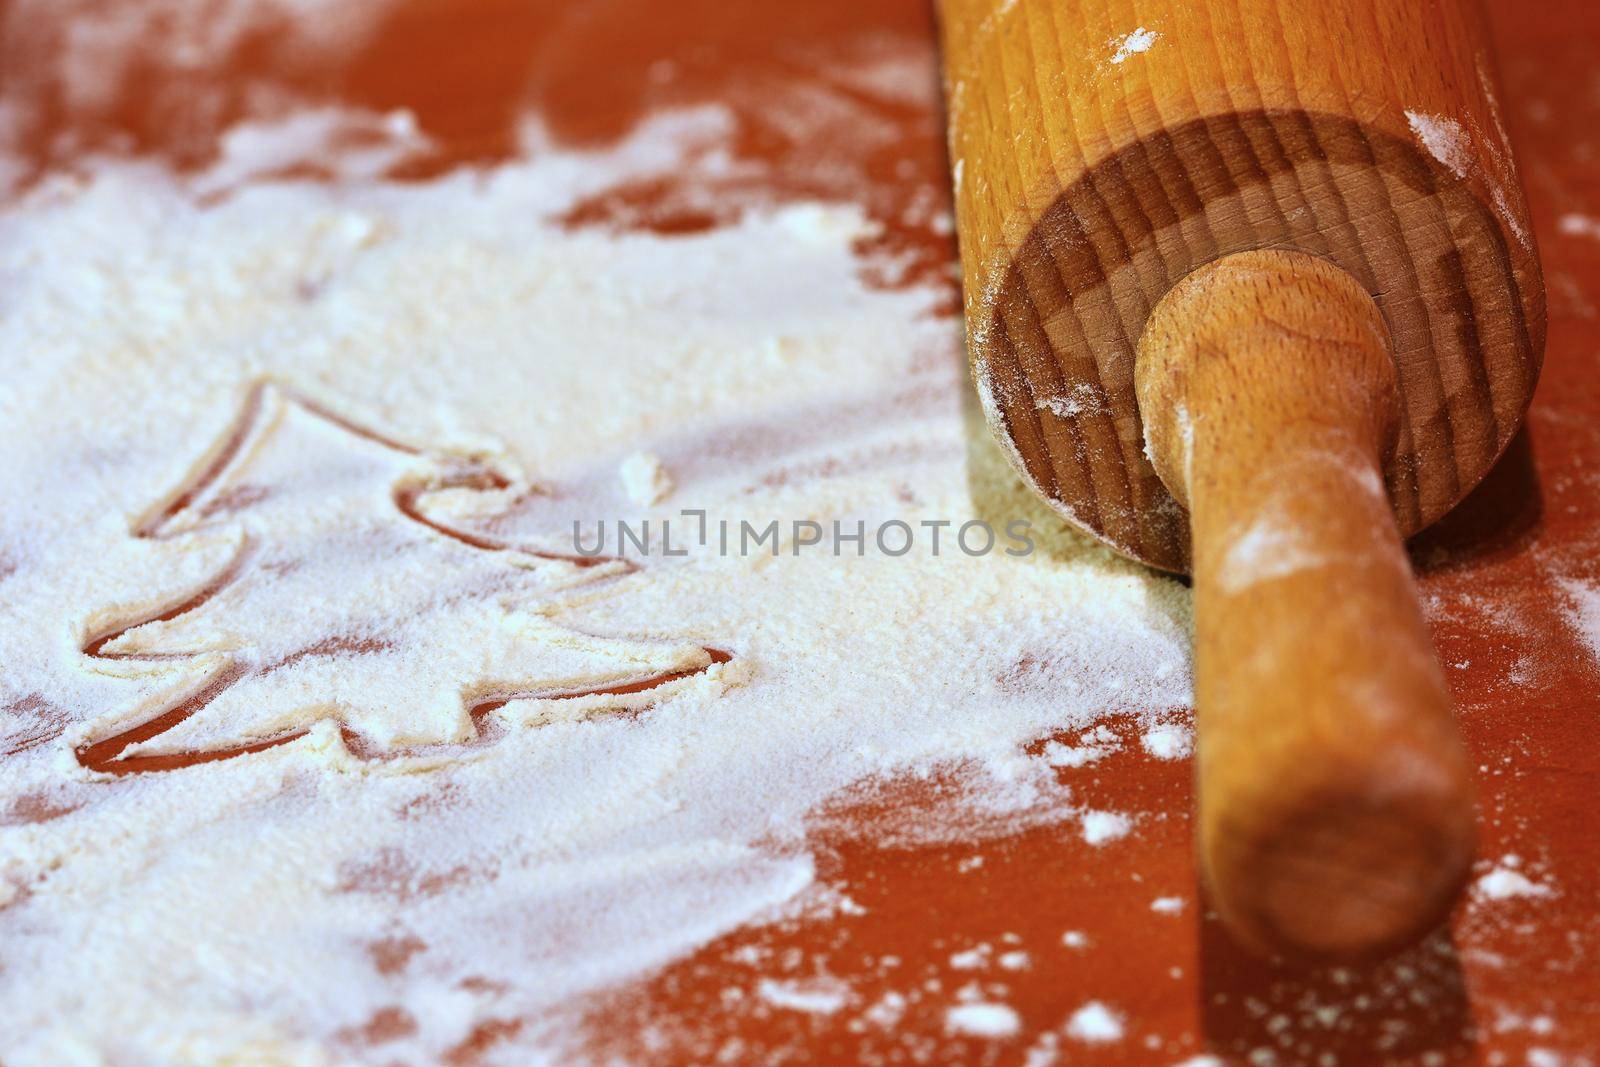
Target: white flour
[[1094, 1022], [1444, 138], [1131, 44], [447, 345]]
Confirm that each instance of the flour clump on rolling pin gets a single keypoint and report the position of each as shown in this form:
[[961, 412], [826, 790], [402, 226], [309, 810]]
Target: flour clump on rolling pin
[[1140, 40]]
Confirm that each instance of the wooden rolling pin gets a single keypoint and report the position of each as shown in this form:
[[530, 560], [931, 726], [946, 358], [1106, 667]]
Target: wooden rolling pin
[[1251, 292]]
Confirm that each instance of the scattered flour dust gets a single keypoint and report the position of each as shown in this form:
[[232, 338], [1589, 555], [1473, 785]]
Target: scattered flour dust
[[644, 479], [1444, 139], [982, 1020], [1168, 741], [1100, 827], [1092, 746], [90, 58], [1583, 612], [1453, 145], [1576, 224], [816, 998], [352, 370], [1134, 43], [1167, 905], [1506, 881], [1095, 1023]]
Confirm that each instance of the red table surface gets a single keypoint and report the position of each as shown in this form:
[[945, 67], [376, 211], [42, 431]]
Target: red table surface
[[1500, 575]]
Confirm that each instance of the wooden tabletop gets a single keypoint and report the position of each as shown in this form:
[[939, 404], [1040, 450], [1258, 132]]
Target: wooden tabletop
[[1511, 580]]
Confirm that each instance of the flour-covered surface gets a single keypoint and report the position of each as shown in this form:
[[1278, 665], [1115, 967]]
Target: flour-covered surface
[[324, 743]]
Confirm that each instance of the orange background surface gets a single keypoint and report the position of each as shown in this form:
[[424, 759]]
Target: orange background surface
[[1500, 575]]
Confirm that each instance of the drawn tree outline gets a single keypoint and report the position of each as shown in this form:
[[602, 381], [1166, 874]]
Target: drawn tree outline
[[215, 493]]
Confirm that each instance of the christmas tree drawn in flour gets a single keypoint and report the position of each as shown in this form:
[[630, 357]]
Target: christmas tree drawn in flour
[[350, 597]]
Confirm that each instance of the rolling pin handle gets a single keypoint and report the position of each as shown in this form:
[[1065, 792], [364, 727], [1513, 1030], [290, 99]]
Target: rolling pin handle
[[1335, 804]]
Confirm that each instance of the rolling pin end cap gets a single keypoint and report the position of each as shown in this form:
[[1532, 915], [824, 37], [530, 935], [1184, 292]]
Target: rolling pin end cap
[[1350, 878]]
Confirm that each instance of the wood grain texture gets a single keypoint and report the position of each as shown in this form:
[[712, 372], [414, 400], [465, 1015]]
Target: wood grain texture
[[1104, 149], [1335, 796]]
